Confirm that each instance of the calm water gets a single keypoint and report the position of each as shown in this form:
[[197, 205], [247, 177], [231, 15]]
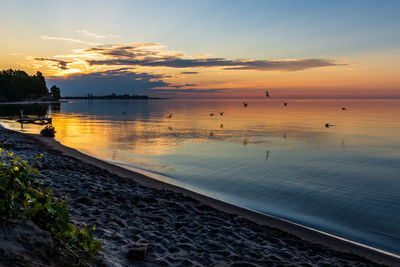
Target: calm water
[[279, 160]]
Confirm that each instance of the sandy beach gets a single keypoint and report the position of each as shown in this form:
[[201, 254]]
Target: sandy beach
[[182, 228]]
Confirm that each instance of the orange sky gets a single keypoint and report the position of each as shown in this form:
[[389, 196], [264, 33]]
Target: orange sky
[[313, 54]]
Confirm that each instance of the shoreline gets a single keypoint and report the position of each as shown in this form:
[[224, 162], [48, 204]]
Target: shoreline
[[305, 233]]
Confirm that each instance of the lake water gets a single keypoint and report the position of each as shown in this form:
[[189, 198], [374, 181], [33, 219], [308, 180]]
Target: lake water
[[276, 159]]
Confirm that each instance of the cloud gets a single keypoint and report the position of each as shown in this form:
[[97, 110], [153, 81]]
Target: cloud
[[120, 81], [190, 90], [61, 64], [184, 85], [150, 55], [189, 72], [261, 65], [157, 57], [70, 40], [91, 34], [127, 68], [284, 65]]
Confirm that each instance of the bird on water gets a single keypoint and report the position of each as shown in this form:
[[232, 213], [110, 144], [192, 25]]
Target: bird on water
[[266, 93], [245, 104], [169, 116]]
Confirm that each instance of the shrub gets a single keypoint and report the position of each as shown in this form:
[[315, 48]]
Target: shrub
[[23, 195], [48, 131]]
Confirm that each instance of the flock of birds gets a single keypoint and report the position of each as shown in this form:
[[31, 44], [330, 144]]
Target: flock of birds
[[245, 104]]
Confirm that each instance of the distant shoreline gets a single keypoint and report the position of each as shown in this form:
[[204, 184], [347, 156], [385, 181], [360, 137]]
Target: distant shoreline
[[112, 97]]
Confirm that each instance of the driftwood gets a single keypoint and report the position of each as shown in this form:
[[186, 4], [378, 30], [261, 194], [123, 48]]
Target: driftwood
[[136, 251]]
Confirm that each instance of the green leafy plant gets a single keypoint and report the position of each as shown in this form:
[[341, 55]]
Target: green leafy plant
[[48, 131], [23, 195]]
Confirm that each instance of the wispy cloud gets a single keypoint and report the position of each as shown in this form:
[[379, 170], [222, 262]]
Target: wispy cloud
[[140, 68], [184, 85], [144, 54], [70, 40], [189, 72], [61, 64], [95, 35], [157, 56], [186, 91]]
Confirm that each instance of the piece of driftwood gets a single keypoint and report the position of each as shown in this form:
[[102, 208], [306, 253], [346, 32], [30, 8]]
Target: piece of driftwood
[[136, 251]]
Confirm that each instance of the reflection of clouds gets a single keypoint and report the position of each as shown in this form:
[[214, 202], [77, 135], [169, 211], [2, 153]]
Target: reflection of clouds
[[245, 137], [146, 128], [37, 109]]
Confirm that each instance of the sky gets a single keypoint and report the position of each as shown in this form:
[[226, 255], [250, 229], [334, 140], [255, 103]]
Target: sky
[[207, 49]]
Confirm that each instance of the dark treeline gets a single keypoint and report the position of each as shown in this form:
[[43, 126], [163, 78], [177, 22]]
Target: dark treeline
[[17, 85]]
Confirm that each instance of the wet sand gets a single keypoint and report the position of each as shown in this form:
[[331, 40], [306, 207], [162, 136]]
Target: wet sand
[[181, 227]]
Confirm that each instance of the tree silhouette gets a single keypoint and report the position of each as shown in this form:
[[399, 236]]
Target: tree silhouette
[[17, 85], [55, 92]]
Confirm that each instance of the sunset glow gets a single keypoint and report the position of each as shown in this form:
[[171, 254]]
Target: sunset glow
[[354, 57]]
